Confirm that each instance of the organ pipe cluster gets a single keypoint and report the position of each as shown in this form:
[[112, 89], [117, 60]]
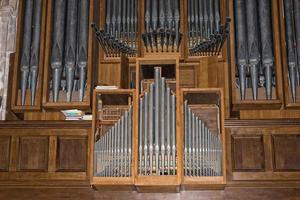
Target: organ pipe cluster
[[112, 46], [292, 30], [157, 129], [30, 48], [162, 26], [206, 35], [69, 52], [202, 148], [121, 26], [114, 149], [254, 46]]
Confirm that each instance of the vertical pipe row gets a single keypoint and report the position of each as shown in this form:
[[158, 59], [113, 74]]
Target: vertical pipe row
[[254, 47], [203, 20], [202, 148], [114, 149], [292, 30], [122, 24], [30, 49], [162, 26], [157, 132], [69, 53]]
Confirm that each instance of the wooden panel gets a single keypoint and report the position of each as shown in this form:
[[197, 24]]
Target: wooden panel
[[286, 152], [114, 73], [72, 154], [248, 153], [4, 153], [188, 76], [33, 154]]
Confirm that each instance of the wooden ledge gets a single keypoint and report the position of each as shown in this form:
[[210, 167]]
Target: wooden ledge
[[45, 124]]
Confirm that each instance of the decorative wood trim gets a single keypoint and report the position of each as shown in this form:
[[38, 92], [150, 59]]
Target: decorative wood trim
[[262, 123], [45, 124]]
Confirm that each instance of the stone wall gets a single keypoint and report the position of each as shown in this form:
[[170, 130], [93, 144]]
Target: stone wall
[[8, 21]]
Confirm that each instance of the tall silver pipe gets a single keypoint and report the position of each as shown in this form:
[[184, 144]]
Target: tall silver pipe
[[102, 156], [105, 154], [82, 54], [125, 141], [101, 164], [112, 150], [151, 96], [162, 126], [115, 150], [118, 147], [202, 148], [185, 136], [157, 76], [58, 40], [168, 128], [210, 153], [70, 45], [197, 146], [193, 143], [145, 107], [130, 140], [25, 58], [173, 128], [141, 137], [122, 146], [35, 47], [190, 141]]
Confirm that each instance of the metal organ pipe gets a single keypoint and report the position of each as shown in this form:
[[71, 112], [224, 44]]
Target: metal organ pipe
[[114, 149], [202, 148], [159, 131]]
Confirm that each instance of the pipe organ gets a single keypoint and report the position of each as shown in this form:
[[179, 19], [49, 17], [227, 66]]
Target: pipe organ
[[162, 80], [171, 144]]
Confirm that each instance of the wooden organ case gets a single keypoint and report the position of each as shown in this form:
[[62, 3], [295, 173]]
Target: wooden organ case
[[207, 95]]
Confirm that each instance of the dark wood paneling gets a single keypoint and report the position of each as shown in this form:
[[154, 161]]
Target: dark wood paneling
[[4, 153], [33, 153], [72, 154], [89, 194], [248, 153], [286, 151]]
